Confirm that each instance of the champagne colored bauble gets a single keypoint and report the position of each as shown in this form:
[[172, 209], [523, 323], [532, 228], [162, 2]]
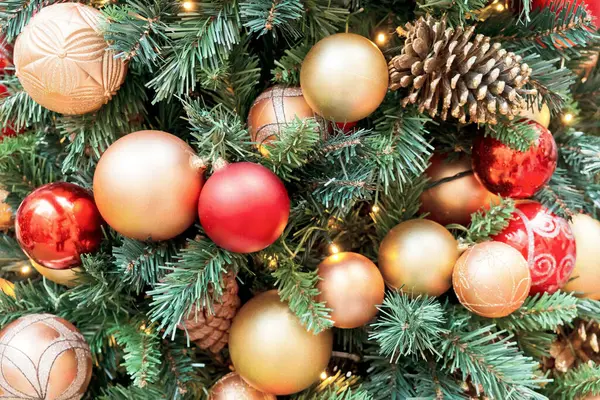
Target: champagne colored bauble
[[512, 173], [455, 193], [62, 60], [57, 223], [7, 287], [65, 277], [147, 185], [244, 207], [585, 279], [418, 256], [344, 77], [352, 287], [271, 349], [537, 114], [43, 357], [547, 243], [272, 111], [233, 387], [491, 279]]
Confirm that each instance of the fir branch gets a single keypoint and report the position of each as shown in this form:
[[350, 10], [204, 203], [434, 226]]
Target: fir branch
[[518, 135], [119, 392], [10, 251], [535, 344], [455, 12], [322, 19], [490, 222], [15, 15], [20, 110], [432, 383], [299, 290], [32, 298], [287, 68], [576, 383], [588, 309], [541, 313], [386, 381], [182, 374], [264, 16], [561, 196], [551, 79], [581, 153], [408, 327], [333, 392]]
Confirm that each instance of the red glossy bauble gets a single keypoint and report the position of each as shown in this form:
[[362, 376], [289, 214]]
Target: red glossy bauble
[[6, 56], [512, 173], [7, 130], [547, 243], [593, 6], [244, 207], [346, 127], [57, 223]]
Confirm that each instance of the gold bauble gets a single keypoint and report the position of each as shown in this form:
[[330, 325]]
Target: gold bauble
[[453, 201], [352, 287], [537, 114], [491, 279], [45, 357], [7, 287], [7, 220], [585, 278], [62, 61], [147, 185], [66, 277], [271, 349], [418, 256], [344, 77], [233, 387], [272, 111]]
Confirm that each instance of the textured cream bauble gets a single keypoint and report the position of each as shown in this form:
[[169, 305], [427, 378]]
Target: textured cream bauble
[[585, 279], [271, 349], [62, 61], [344, 77]]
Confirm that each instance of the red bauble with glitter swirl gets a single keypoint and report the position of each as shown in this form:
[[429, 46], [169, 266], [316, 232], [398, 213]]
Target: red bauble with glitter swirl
[[547, 243], [512, 173], [57, 223]]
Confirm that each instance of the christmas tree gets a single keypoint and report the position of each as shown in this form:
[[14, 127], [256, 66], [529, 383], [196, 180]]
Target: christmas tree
[[303, 199]]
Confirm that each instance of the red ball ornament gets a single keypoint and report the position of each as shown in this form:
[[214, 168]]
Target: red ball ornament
[[7, 130], [593, 6], [547, 243], [346, 127], [244, 207], [6, 56], [512, 173], [57, 223]]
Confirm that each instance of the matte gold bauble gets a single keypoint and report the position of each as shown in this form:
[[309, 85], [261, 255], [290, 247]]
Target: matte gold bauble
[[418, 256], [271, 349], [62, 61], [455, 193], [534, 113], [585, 279], [66, 277], [147, 185], [491, 279], [7, 287], [352, 287], [272, 111], [344, 77], [233, 387], [44, 357]]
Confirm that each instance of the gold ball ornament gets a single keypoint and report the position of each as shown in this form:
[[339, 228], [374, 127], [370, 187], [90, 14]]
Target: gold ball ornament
[[491, 279], [62, 61], [585, 279], [65, 277], [233, 387], [537, 114], [352, 287], [147, 185], [43, 357], [272, 110], [7, 287], [344, 77], [418, 256], [271, 349]]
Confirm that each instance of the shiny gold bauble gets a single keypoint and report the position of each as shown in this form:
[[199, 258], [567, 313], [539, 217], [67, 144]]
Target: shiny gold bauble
[[62, 60], [66, 277], [537, 114], [45, 357], [491, 279], [271, 349], [7, 220], [7, 287], [273, 110], [352, 287], [418, 256], [585, 279], [147, 185], [233, 387], [344, 77], [453, 201]]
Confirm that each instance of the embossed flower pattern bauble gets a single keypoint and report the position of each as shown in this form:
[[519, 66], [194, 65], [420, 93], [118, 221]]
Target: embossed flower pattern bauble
[[43, 357], [547, 243], [62, 61]]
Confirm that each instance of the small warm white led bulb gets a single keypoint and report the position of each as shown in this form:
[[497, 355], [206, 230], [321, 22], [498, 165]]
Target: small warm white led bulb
[[323, 375], [381, 38], [568, 118], [333, 248], [25, 269], [188, 5]]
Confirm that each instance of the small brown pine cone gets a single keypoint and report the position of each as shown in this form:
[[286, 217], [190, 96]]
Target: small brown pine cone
[[208, 328]]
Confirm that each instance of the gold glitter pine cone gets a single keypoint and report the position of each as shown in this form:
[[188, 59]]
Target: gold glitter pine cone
[[208, 328], [451, 70]]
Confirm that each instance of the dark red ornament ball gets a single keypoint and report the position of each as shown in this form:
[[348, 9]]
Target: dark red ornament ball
[[57, 223], [244, 207], [512, 173], [593, 6], [346, 127], [6, 56], [547, 243]]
